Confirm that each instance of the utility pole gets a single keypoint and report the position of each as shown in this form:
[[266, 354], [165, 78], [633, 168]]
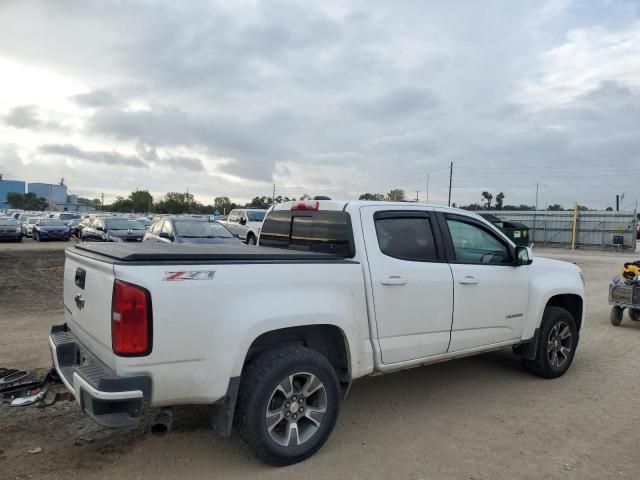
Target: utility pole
[[417, 196], [273, 199], [428, 177], [537, 186], [450, 181], [617, 203], [102, 201]]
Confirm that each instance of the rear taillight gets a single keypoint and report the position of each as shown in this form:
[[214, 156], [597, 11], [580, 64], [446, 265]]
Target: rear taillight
[[131, 320], [306, 205]]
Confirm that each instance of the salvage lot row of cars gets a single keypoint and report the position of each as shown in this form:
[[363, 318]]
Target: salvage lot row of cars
[[242, 225]]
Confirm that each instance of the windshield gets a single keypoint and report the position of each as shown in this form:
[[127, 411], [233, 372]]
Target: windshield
[[144, 221], [118, 224], [68, 216], [255, 216], [191, 229], [32, 220], [52, 222], [8, 222]]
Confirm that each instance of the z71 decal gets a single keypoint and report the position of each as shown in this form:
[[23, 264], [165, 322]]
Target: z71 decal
[[189, 275]]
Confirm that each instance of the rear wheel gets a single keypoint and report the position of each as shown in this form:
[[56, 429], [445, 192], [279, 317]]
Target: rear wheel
[[557, 342], [615, 317], [288, 404], [251, 239]]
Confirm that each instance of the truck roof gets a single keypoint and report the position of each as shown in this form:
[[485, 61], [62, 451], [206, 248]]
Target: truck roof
[[343, 204], [178, 253]]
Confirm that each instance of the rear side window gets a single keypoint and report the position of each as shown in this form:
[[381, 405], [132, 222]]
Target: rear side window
[[406, 238], [321, 231]]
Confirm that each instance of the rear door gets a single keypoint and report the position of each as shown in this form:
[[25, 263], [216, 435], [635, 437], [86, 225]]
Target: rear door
[[491, 294], [411, 282], [88, 286]]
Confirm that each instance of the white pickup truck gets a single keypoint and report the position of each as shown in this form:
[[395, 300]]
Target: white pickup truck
[[272, 336]]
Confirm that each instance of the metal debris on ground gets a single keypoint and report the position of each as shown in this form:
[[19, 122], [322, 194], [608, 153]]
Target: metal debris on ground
[[19, 389]]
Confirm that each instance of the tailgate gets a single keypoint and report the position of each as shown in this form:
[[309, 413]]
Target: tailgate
[[88, 286]]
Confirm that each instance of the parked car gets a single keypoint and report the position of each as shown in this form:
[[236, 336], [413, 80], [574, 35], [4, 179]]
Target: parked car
[[50, 229], [397, 285], [27, 226], [176, 229], [246, 223], [10, 229], [113, 229], [67, 217], [77, 230]]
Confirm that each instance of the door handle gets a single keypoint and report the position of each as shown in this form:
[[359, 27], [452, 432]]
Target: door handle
[[393, 280], [468, 280]]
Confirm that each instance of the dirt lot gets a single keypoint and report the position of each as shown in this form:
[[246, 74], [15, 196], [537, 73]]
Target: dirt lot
[[477, 418]]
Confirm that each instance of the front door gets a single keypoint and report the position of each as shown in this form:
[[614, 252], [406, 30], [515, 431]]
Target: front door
[[491, 294], [411, 282]]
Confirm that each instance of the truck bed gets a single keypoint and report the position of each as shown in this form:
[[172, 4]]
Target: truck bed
[[147, 253]]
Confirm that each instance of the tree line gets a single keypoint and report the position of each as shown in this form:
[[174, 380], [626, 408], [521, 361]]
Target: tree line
[[177, 202]]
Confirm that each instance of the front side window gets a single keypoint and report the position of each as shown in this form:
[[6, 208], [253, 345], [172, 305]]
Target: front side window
[[473, 244], [406, 238]]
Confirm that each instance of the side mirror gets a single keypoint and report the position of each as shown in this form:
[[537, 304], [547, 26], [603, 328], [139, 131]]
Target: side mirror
[[524, 256], [243, 221], [164, 235], [100, 229]]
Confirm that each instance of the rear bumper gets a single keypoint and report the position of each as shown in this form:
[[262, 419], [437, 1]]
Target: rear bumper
[[112, 401]]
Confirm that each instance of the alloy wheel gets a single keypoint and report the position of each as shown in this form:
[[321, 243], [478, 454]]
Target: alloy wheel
[[559, 344], [296, 409]]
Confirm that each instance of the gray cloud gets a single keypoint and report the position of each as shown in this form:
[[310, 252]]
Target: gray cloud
[[29, 117], [96, 99], [178, 163], [391, 91], [110, 158]]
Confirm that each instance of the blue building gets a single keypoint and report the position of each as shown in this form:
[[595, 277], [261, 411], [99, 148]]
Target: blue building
[[50, 192], [9, 186]]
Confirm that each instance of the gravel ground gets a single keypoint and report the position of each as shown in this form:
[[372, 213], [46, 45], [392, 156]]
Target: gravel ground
[[481, 417]]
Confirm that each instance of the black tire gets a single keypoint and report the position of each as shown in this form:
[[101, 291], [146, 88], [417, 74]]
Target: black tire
[[615, 317], [634, 314], [258, 389], [553, 320], [251, 239]]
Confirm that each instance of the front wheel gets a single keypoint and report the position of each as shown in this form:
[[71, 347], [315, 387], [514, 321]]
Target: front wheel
[[251, 240], [288, 404], [557, 343]]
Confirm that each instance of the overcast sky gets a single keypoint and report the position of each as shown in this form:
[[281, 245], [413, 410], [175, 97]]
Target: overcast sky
[[336, 98]]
